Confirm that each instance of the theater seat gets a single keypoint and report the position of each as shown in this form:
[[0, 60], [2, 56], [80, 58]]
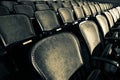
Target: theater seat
[[80, 3], [93, 10], [30, 3], [56, 6], [45, 23], [66, 15], [102, 21], [17, 35], [73, 3], [97, 8], [42, 7], [24, 9], [86, 10], [15, 28], [78, 12], [9, 4], [66, 4], [110, 19], [90, 33], [58, 57], [113, 15]]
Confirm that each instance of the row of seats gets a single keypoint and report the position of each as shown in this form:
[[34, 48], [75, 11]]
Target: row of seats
[[95, 39], [35, 6], [74, 41]]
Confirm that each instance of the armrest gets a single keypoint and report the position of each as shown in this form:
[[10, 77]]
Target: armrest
[[112, 62], [94, 75], [115, 29], [112, 39], [107, 50], [114, 36]]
